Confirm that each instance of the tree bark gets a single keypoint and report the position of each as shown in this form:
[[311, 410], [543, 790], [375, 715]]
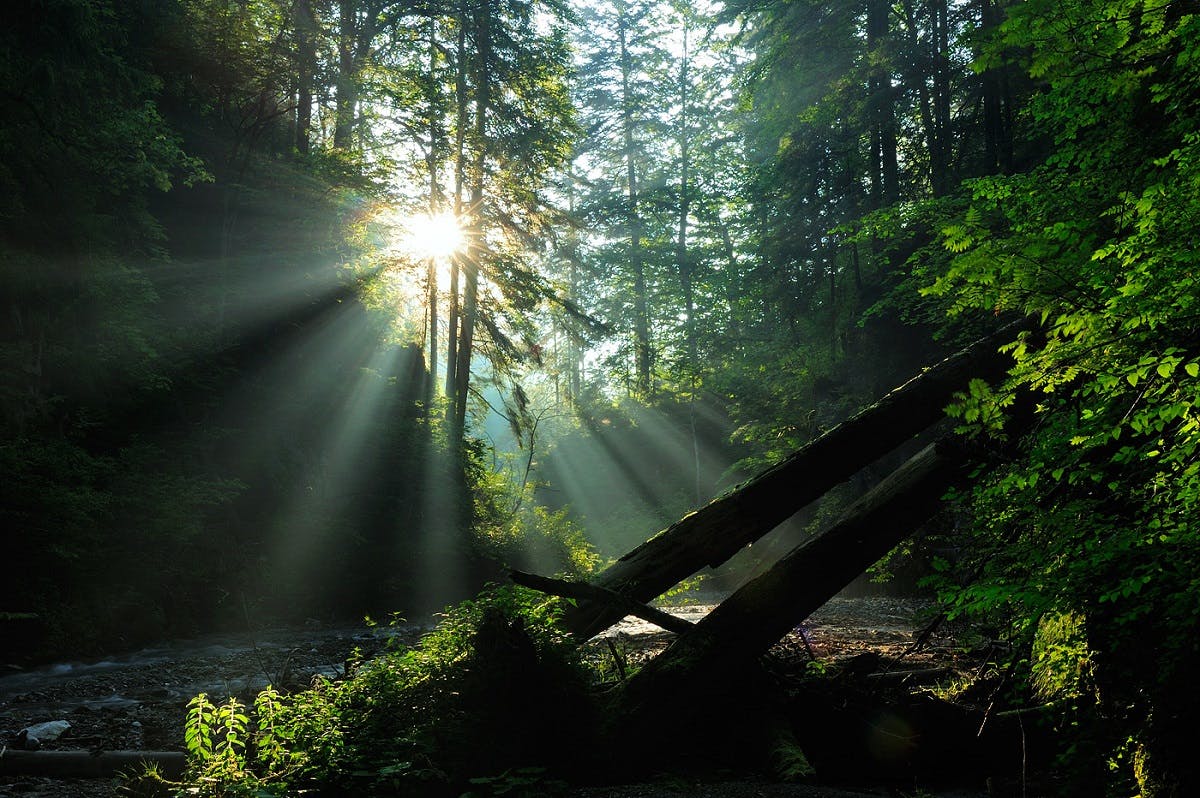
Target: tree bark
[[88, 764], [346, 82], [718, 530], [435, 208], [997, 127], [925, 105], [306, 57], [940, 43], [461, 100], [637, 265], [476, 248], [683, 260], [884, 158], [358, 25], [766, 608]]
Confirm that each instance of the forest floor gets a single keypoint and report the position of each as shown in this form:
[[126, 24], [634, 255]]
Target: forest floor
[[137, 702]]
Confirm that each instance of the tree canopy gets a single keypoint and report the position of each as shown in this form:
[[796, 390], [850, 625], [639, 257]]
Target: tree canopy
[[684, 239]]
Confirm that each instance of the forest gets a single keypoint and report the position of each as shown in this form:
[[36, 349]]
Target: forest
[[316, 311]]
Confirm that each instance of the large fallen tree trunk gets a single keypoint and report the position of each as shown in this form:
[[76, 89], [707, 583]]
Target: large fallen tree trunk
[[717, 531], [766, 608], [88, 764]]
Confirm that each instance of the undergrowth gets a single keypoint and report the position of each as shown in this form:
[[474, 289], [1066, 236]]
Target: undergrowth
[[481, 706]]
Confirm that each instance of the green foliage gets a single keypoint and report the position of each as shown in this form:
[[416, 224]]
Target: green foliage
[[1092, 529], [83, 140], [234, 750], [510, 527], [980, 408], [161, 250], [788, 761], [536, 538], [1059, 658], [216, 742], [466, 709]]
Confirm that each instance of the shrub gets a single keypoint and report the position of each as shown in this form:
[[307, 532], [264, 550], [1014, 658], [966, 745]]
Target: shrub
[[482, 696]]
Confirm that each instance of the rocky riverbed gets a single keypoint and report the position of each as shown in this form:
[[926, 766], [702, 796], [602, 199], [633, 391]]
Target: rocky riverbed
[[137, 701]]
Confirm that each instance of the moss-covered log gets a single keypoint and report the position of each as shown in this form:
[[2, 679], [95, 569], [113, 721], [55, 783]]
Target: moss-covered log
[[761, 612], [89, 764], [717, 531]]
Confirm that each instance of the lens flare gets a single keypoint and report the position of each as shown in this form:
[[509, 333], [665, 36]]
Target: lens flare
[[424, 235]]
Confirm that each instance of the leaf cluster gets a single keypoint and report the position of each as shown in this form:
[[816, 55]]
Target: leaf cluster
[[465, 707]]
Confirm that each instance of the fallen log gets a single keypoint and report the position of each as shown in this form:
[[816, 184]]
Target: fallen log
[[587, 592], [88, 764], [766, 608], [910, 676], [717, 531]]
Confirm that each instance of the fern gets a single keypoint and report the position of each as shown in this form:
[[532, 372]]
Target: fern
[[198, 729]]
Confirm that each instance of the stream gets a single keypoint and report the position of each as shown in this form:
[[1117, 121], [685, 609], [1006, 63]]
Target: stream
[[137, 701]]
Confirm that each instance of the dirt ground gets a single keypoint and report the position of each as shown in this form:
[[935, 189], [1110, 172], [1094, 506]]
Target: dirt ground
[[137, 702]]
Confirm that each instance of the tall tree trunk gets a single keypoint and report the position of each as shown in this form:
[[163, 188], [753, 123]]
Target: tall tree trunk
[[358, 22], [733, 284], [346, 84], [574, 355], [476, 247], [470, 305], [453, 323], [432, 331], [828, 254], [460, 168], [306, 59], [940, 41], [435, 207], [682, 260], [884, 160], [996, 127], [857, 269], [924, 102], [637, 265]]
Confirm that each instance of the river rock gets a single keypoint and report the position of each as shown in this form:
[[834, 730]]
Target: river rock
[[33, 737]]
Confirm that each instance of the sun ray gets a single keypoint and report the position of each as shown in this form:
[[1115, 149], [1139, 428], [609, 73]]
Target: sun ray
[[424, 235]]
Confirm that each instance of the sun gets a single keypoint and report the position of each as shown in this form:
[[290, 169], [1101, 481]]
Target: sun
[[434, 236]]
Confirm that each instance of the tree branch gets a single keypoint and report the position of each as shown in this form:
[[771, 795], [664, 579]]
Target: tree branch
[[582, 590]]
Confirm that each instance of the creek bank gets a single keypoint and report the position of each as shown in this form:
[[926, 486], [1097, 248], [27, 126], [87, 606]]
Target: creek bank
[[137, 702]]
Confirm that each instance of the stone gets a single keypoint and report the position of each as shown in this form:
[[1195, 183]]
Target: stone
[[35, 736]]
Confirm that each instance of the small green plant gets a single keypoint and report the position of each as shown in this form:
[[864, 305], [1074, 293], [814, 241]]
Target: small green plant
[[149, 783], [216, 738], [684, 593], [198, 730], [216, 732], [238, 750], [788, 761], [1060, 657], [469, 699]]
